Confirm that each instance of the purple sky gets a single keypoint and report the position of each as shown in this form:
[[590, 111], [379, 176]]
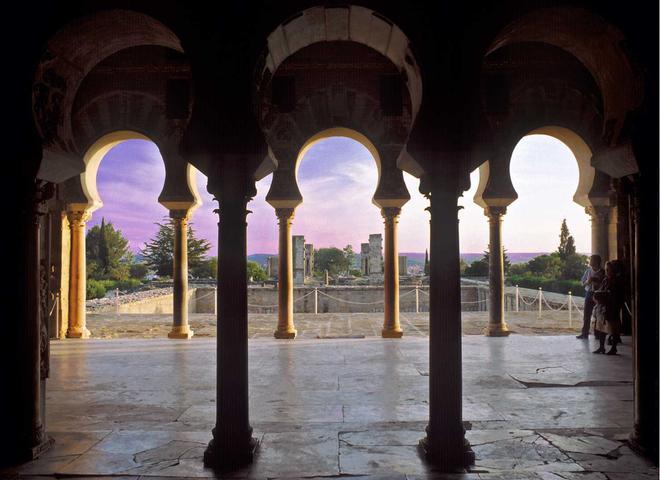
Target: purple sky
[[337, 178]]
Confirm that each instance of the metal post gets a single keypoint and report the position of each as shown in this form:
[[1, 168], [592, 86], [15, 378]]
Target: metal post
[[316, 301], [570, 309], [540, 301], [416, 298], [517, 299]]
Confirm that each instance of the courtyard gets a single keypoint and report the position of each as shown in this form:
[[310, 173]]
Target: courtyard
[[534, 406]]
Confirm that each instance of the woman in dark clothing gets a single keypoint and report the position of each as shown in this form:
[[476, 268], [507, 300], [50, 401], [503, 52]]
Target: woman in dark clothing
[[609, 300]]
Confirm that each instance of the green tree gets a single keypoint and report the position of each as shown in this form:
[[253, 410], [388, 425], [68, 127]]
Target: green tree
[[573, 266], [208, 268], [507, 262], [108, 256], [331, 259], [566, 242], [158, 253], [427, 268], [478, 268], [138, 270], [349, 255], [549, 266], [256, 272]]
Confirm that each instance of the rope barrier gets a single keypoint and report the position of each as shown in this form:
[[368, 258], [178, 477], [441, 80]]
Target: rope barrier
[[52, 308], [522, 299], [575, 305], [470, 303], [554, 309]]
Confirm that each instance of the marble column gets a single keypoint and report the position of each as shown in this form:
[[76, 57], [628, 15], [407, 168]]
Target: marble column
[[180, 327], [497, 327], [445, 444], [77, 275], [232, 444], [599, 231], [391, 325], [285, 326]]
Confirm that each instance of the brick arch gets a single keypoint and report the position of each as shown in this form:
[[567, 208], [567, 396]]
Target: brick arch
[[343, 23], [69, 56], [597, 44]]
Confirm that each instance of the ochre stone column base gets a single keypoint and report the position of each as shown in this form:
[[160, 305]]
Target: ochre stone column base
[[84, 333], [285, 334], [181, 332], [497, 330], [385, 333]]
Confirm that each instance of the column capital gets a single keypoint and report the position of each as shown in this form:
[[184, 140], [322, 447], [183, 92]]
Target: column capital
[[285, 214], [495, 212], [390, 213], [598, 212], [78, 218], [180, 215]]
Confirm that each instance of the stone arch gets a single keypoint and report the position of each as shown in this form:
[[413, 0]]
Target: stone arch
[[343, 23], [179, 191], [597, 44], [495, 185], [69, 56]]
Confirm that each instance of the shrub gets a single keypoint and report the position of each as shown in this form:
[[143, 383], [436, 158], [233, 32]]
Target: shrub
[[95, 289], [547, 284]]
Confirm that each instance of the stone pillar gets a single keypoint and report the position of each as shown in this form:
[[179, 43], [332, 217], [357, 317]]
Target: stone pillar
[[180, 327], [232, 444], [391, 325], [599, 231], [285, 326], [78, 275], [445, 444], [497, 327], [644, 437]]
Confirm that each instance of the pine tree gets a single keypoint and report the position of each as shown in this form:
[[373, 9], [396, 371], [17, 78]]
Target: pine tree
[[108, 256], [427, 267], [566, 242], [158, 253]]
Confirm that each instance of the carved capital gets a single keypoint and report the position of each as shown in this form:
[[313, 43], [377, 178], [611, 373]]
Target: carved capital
[[179, 216], [285, 214], [495, 213], [78, 218], [598, 213], [390, 213]]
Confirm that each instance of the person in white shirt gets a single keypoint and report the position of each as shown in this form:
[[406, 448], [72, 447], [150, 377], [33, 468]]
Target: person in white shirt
[[591, 280]]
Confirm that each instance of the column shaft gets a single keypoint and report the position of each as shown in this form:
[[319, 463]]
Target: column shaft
[[180, 327], [285, 326], [497, 327], [78, 276], [445, 444], [391, 325], [232, 442], [599, 231]]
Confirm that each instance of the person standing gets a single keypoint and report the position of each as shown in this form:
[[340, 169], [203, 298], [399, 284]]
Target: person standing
[[607, 312], [591, 280]]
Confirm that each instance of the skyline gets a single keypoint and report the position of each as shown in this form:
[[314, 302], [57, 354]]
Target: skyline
[[340, 168]]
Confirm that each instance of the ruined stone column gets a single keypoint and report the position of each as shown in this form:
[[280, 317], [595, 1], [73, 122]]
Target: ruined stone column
[[599, 231], [78, 275], [445, 444], [285, 326], [497, 327], [391, 325], [180, 327], [232, 444]]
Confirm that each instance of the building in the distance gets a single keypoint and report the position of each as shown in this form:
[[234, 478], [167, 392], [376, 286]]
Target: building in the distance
[[309, 260], [403, 265], [272, 267], [298, 259], [371, 255]]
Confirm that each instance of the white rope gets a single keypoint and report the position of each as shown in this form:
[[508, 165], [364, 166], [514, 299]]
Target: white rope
[[306, 295], [478, 301], [354, 303], [263, 306], [204, 296], [522, 299], [407, 293], [554, 309], [424, 292], [575, 305], [52, 308]]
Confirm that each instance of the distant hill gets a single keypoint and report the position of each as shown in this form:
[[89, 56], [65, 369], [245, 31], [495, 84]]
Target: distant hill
[[417, 258]]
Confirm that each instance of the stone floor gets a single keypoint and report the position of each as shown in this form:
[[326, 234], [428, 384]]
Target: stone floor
[[540, 407], [110, 325]]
